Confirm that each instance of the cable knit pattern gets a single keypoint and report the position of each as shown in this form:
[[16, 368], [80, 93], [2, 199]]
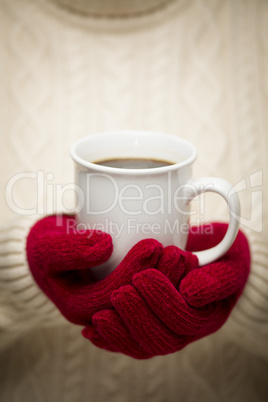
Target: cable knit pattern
[[197, 69], [203, 82], [22, 305], [32, 101]]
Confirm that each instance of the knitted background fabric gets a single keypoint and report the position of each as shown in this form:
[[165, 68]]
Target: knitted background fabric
[[197, 69], [154, 303]]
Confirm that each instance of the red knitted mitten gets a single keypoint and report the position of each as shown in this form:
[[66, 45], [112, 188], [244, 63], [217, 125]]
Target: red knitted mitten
[[159, 314], [155, 302], [60, 259]]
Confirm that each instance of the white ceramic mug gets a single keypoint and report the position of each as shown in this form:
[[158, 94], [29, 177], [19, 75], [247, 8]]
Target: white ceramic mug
[[134, 204]]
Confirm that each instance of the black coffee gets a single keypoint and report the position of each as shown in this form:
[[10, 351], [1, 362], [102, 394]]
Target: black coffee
[[133, 163]]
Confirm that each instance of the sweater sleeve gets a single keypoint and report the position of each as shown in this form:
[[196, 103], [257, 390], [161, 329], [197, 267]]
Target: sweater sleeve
[[248, 323], [23, 305]]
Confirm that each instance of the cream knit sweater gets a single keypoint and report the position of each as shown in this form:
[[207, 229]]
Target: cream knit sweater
[[193, 68]]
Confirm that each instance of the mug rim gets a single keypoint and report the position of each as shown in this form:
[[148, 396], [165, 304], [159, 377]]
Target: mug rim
[[126, 171]]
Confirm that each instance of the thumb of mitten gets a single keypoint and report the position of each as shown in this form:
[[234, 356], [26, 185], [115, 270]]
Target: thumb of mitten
[[53, 248]]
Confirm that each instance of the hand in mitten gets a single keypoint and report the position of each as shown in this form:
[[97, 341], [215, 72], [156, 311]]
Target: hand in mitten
[[61, 257], [164, 309], [155, 302]]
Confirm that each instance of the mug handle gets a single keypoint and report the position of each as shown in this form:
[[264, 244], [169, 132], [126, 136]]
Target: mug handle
[[223, 188]]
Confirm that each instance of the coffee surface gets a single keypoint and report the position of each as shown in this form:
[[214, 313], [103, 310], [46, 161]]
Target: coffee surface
[[133, 163]]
